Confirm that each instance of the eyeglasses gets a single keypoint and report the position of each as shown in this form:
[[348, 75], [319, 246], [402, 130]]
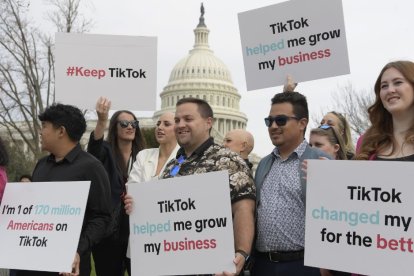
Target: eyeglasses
[[280, 120], [125, 123], [174, 170]]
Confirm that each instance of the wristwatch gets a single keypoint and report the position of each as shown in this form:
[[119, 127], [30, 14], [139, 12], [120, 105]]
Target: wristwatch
[[244, 254]]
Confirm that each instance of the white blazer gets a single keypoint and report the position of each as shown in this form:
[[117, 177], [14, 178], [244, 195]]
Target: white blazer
[[144, 169], [145, 166]]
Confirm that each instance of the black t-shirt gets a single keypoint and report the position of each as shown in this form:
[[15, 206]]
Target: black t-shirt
[[404, 158], [78, 165]]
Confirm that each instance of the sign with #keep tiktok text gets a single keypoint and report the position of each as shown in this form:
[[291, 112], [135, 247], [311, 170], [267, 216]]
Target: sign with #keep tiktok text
[[359, 216], [121, 68], [182, 225], [40, 224]]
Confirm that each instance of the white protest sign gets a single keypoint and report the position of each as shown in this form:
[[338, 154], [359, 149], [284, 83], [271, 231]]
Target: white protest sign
[[305, 39], [183, 223], [121, 68], [358, 216], [40, 224]]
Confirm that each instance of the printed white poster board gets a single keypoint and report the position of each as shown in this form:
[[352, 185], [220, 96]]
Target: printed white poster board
[[358, 216], [121, 68], [305, 39], [40, 224], [182, 225]]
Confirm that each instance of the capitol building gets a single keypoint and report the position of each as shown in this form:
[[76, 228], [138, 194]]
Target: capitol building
[[199, 75], [203, 75]]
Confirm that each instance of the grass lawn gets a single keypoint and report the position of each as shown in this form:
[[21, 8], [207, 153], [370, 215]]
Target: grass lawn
[[93, 273]]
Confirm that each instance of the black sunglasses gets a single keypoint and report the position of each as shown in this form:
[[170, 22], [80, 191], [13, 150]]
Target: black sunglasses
[[125, 123], [280, 120], [174, 170]]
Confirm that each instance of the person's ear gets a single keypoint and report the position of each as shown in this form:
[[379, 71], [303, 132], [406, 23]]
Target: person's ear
[[241, 148], [337, 147], [209, 123], [244, 146], [62, 131], [303, 123]]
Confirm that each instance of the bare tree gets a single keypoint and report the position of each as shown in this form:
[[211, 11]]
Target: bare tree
[[27, 68], [23, 72], [67, 17], [354, 105]]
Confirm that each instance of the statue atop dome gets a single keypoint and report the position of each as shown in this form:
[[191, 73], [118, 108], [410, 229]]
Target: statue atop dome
[[201, 22], [201, 74]]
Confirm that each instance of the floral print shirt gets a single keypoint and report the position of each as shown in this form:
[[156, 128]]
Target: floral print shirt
[[210, 157]]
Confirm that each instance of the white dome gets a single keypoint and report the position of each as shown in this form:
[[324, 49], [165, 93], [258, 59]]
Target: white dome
[[200, 64], [202, 75]]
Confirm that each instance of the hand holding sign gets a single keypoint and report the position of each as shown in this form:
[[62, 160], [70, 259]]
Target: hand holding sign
[[103, 105], [75, 267], [239, 262], [290, 84], [102, 110], [128, 202]]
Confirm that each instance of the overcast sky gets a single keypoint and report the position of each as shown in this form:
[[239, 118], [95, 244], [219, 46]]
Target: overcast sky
[[377, 32]]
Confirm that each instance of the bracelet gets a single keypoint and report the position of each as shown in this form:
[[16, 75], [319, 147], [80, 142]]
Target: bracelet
[[243, 253]]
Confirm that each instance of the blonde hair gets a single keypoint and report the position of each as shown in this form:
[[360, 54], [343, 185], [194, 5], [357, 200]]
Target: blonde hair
[[334, 138], [345, 131]]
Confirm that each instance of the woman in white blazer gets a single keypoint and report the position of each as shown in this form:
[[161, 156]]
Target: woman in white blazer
[[150, 163]]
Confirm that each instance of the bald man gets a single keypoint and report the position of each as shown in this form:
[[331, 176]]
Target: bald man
[[240, 141]]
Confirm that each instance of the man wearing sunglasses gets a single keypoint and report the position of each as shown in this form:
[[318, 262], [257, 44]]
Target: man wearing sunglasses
[[280, 188], [199, 154]]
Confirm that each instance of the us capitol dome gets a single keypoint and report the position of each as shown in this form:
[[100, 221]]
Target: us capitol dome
[[202, 75]]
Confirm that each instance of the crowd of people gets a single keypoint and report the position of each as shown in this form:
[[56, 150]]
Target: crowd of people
[[268, 210]]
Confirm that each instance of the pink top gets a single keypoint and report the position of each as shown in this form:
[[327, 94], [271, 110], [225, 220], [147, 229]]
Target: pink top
[[358, 147], [3, 181]]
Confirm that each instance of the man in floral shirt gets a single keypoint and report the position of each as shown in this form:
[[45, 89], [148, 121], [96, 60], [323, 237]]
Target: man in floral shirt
[[199, 154]]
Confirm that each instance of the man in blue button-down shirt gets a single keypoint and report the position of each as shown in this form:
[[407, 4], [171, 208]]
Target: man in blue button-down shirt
[[281, 190]]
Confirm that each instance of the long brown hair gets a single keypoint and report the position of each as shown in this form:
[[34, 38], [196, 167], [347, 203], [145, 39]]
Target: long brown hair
[[380, 136], [138, 143]]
